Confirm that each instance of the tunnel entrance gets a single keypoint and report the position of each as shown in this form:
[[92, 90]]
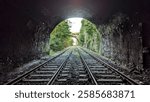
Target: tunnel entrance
[[74, 32]]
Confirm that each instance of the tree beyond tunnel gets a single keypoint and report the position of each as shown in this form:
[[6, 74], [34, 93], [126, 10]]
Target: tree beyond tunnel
[[60, 37]]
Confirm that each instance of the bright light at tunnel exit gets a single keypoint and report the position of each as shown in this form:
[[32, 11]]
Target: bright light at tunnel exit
[[74, 41], [75, 24]]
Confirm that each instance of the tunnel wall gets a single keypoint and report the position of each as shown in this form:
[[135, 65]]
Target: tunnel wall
[[146, 39], [121, 40], [22, 38]]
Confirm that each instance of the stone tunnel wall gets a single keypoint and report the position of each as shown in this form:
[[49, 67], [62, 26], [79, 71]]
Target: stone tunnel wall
[[122, 41], [146, 39], [22, 38]]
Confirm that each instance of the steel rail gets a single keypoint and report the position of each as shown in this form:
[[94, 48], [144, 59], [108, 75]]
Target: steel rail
[[54, 77], [131, 81], [88, 69], [19, 78]]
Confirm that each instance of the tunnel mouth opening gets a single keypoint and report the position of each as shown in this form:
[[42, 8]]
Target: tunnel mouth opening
[[74, 31]]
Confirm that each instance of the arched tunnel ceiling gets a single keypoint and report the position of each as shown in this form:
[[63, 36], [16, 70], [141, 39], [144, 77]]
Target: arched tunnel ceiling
[[53, 11]]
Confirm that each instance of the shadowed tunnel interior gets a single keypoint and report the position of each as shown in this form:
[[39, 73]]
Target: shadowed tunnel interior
[[124, 26]]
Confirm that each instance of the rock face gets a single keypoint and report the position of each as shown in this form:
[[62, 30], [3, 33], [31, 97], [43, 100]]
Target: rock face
[[122, 40]]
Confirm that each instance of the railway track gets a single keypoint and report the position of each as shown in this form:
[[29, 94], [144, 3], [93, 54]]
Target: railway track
[[43, 73], [74, 66], [104, 73]]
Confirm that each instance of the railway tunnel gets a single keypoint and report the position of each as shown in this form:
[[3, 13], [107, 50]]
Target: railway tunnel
[[25, 29]]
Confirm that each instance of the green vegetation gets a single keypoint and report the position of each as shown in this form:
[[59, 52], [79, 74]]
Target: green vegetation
[[89, 36], [60, 37]]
